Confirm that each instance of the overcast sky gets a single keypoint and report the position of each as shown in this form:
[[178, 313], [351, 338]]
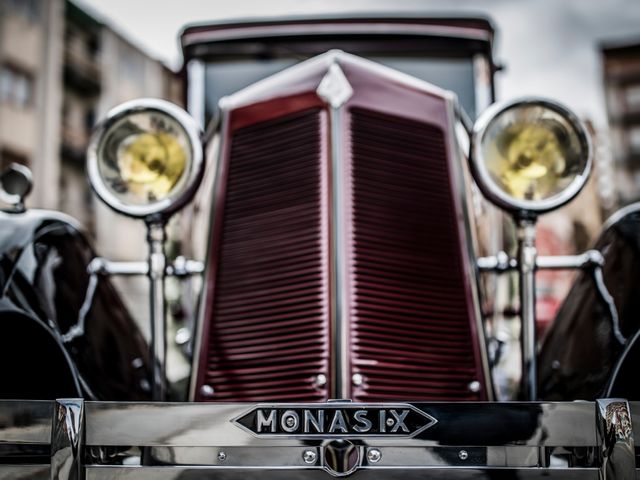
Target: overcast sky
[[549, 47]]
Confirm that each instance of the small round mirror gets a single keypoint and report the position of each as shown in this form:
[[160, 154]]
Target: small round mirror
[[15, 184]]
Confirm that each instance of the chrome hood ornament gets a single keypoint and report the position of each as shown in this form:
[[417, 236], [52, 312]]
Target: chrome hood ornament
[[334, 88]]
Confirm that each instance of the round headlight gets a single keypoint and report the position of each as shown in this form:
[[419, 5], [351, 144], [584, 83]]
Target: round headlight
[[145, 158], [530, 155]]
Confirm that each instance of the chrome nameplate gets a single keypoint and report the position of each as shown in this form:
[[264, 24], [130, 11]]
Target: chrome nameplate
[[335, 420]]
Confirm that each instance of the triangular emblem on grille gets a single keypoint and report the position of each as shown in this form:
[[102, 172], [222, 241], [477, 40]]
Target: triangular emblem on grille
[[334, 87]]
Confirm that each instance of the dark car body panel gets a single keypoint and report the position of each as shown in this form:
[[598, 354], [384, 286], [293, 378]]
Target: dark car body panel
[[580, 352], [44, 259], [36, 365]]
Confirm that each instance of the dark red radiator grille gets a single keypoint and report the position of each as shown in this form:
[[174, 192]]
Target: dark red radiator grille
[[411, 335], [269, 333]]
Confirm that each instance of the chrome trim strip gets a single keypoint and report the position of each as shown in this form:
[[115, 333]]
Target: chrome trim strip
[[615, 438], [334, 88], [215, 160], [199, 438], [181, 267], [208, 425], [501, 262], [527, 254], [388, 28], [587, 259], [620, 214], [608, 300], [483, 77], [102, 266], [497, 263], [78, 329], [367, 472], [26, 422], [289, 76], [468, 233], [197, 339], [340, 374], [67, 434], [196, 92], [277, 457], [385, 457], [157, 265], [10, 472]]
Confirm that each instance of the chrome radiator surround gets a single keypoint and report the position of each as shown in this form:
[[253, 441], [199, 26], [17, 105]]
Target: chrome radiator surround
[[73, 439]]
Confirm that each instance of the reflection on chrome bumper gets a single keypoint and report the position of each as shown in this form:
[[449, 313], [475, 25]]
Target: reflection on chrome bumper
[[72, 439]]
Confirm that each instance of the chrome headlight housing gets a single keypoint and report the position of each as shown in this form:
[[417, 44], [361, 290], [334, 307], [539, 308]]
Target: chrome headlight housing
[[145, 158], [530, 156]]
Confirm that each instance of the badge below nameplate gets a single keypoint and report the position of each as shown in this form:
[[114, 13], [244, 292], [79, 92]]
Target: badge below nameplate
[[335, 420]]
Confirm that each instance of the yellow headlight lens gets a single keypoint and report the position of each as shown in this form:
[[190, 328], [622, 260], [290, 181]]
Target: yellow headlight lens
[[533, 153], [144, 158], [151, 163]]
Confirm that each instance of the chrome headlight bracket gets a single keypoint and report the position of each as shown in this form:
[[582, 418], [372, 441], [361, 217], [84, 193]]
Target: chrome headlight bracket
[[529, 156], [145, 160]]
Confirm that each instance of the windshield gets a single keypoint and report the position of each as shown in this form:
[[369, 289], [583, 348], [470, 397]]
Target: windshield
[[225, 77]]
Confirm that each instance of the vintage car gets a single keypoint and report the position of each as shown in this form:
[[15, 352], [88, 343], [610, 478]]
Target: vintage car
[[340, 328]]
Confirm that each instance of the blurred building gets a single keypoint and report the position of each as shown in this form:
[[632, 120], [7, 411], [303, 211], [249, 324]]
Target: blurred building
[[101, 70], [621, 68], [31, 45], [61, 69]]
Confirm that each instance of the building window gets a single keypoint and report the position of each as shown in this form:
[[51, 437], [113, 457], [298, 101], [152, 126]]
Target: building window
[[131, 65], [27, 9], [634, 139], [93, 46], [632, 97], [16, 87], [89, 119]]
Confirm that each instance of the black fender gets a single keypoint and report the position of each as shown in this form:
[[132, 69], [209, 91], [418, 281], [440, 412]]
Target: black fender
[[44, 260], [586, 352], [35, 364], [623, 381]]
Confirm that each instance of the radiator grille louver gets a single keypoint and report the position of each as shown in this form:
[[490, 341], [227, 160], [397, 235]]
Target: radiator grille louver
[[269, 330], [410, 326], [339, 245]]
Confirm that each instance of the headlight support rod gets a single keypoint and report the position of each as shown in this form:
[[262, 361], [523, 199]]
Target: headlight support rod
[[157, 261], [527, 262], [156, 268], [527, 254]]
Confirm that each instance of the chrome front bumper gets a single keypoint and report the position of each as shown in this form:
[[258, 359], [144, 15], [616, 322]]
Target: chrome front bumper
[[72, 439]]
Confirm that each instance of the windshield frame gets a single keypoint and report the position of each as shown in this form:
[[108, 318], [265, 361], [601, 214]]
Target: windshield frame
[[417, 35]]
